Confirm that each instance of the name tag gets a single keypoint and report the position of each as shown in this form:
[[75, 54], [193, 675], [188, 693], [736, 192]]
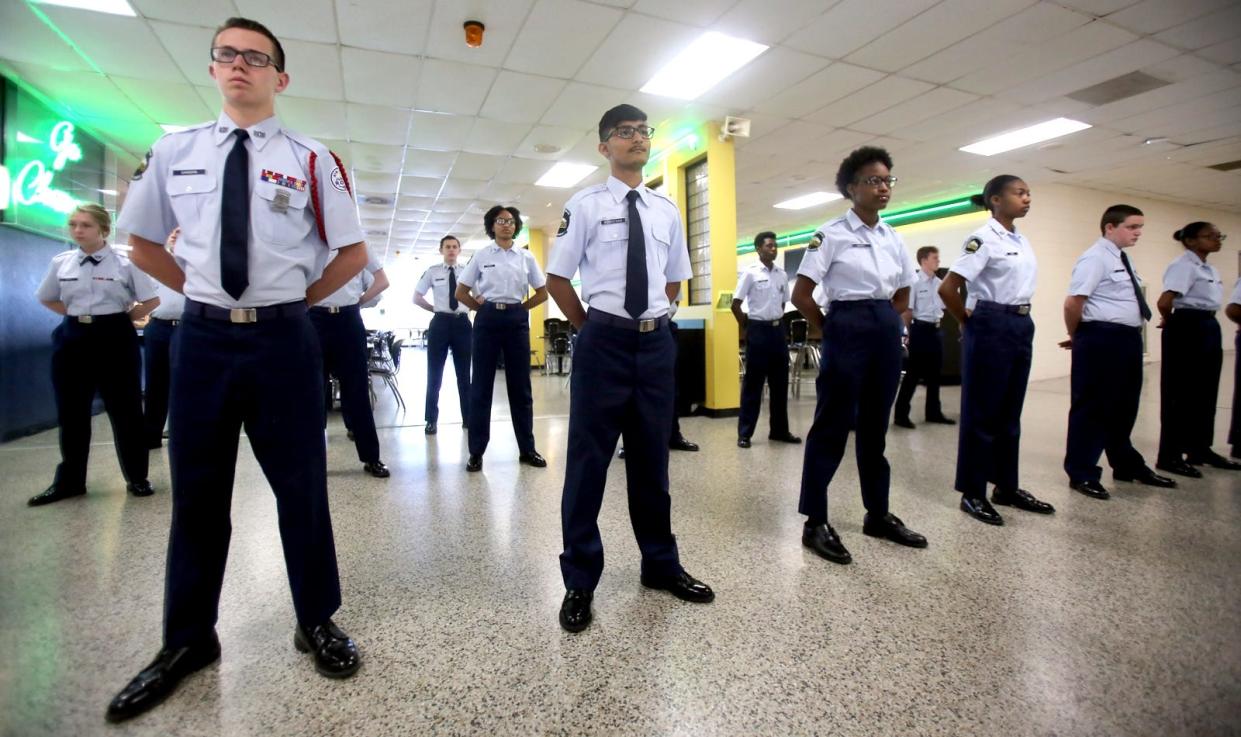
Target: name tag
[[103, 278], [68, 278], [439, 279], [489, 266], [615, 221], [187, 172], [860, 245], [1012, 253]]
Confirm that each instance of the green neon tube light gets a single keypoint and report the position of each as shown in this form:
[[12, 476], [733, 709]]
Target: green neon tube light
[[31, 184]]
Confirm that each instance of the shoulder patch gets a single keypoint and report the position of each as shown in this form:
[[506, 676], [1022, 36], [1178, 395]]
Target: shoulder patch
[[338, 179], [816, 240], [973, 244], [564, 223], [142, 166]]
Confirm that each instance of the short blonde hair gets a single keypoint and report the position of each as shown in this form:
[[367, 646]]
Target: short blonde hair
[[97, 213]]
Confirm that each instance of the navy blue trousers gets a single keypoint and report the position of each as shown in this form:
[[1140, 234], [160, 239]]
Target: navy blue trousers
[[496, 333], [1234, 430], [100, 357], [342, 339], [996, 351], [622, 388], [1189, 383], [1106, 385], [448, 332], [859, 371], [268, 378], [157, 351], [926, 359], [766, 361]]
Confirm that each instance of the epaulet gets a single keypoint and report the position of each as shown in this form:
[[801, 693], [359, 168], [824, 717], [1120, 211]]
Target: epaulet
[[305, 142], [592, 189], [662, 196], [189, 129]]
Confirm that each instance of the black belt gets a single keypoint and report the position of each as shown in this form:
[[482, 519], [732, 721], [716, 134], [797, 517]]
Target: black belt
[[92, 319], [501, 305], [642, 326], [1107, 326], [173, 323], [322, 310], [840, 304], [765, 323], [986, 305], [1193, 313], [245, 315], [450, 314], [926, 323]]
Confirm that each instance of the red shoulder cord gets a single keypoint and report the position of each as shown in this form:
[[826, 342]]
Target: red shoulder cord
[[314, 195]]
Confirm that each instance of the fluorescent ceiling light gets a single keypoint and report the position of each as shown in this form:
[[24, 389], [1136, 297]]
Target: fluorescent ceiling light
[[111, 192], [1038, 133], [710, 58], [808, 200], [564, 174], [169, 128], [115, 7]]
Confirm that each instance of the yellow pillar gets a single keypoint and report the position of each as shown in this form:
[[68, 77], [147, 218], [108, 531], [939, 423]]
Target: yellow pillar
[[538, 241]]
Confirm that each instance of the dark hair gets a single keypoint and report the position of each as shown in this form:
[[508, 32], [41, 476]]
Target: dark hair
[[1190, 231], [489, 220], [856, 160], [926, 251], [758, 239], [1117, 214], [615, 117], [994, 188], [252, 25], [449, 237]]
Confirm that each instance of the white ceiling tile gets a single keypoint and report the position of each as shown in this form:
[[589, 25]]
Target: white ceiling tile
[[437, 132], [453, 87], [581, 105], [1224, 52], [421, 186], [25, 38], [379, 77], [932, 31], [446, 32], [118, 44], [415, 203], [562, 138], [1173, 94], [646, 44], [874, 98], [383, 25], [315, 20], [314, 70], [850, 24], [375, 182], [83, 94], [524, 171], [934, 102], [506, 191], [520, 98], [315, 118], [375, 124], [208, 13], [454, 187], [376, 157], [1128, 58], [495, 137], [961, 127], [776, 69], [819, 89], [1205, 31], [768, 21], [697, 12], [428, 164], [477, 166], [559, 36], [1003, 71], [166, 102], [1153, 16], [190, 49], [1098, 8]]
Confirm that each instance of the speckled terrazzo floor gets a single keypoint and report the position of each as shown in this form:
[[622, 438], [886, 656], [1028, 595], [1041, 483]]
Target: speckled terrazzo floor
[[1111, 618]]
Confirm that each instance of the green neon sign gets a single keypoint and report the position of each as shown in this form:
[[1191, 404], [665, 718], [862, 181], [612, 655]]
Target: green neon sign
[[32, 185]]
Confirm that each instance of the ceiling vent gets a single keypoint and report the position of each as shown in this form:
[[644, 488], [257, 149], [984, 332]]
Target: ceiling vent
[[1127, 85], [374, 199], [1227, 166]]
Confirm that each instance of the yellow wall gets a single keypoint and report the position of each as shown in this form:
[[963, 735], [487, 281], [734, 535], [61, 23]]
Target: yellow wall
[[538, 247]]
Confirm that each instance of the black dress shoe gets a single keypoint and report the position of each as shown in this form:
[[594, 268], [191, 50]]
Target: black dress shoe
[[1180, 468], [155, 444], [533, 459], [1021, 499], [621, 453], [1147, 477], [941, 420], [678, 442], [335, 654], [890, 527], [1091, 489], [743, 442], [158, 680], [349, 434], [683, 586], [430, 429], [377, 469], [475, 463], [575, 614], [1214, 460], [787, 437], [981, 510], [52, 494], [140, 488], [822, 539], [904, 422]]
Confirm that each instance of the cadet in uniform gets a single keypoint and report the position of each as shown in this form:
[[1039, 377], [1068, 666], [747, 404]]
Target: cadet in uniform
[[342, 338], [449, 330], [863, 265], [997, 347], [1233, 311], [1104, 313], [627, 241], [95, 348], [500, 274], [926, 342], [157, 351], [259, 208], [765, 287], [1192, 356]]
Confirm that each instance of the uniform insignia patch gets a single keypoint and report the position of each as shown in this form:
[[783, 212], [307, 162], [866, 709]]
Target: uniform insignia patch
[[142, 167], [816, 240], [973, 244], [564, 224], [338, 179]]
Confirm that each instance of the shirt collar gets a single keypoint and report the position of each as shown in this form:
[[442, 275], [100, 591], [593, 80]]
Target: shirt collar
[[102, 254], [620, 190], [855, 223], [1194, 258], [260, 133], [1108, 246], [1003, 232], [774, 267]]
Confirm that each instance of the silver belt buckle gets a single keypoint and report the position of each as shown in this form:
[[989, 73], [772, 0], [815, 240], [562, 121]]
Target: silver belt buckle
[[646, 326], [333, 310], [243, 315], [86, 319], [501, 305], [775, 323], [1023, 309]]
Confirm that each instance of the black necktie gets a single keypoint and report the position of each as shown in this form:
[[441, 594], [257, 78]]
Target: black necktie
[[452, 289], [235, 219], [92, 259], [635, 264], [1142, 306]]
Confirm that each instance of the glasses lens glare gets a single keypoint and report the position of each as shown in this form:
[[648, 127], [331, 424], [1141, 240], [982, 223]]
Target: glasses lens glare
[[505, 221]]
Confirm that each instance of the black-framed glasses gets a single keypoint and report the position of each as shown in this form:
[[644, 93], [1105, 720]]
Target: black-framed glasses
[[257, 59], [505, 221], [877, 180], [1221, 237], [628, 131]]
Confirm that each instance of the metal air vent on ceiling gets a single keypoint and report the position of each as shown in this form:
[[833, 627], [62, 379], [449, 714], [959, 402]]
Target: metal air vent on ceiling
[[374, 199], [1226, 166], [1118, 88]]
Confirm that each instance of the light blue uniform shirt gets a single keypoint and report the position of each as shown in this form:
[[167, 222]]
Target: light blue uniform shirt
[[502, 275], [855, 261], [171, 303], [1196, 283], [999, 266], [594, 239], [764, 290], [106, 288], [1235, 299], [435, 280], [1101, 278], [924, 299], [291, 232], [352, 292]]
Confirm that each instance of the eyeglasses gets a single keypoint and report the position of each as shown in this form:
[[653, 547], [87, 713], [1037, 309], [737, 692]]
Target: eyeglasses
[[505, 221], [876, 181], [1213, 237], [256, 59], [628, 131]]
